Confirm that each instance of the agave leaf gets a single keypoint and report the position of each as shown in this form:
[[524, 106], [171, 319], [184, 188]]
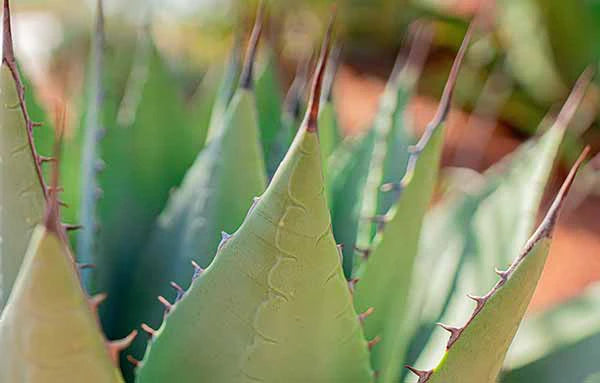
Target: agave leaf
[[212, 104], [214, 198], [48, 331], [452, 253], [350, 165], [289, 306], [347, 172], [557, 345], [269, 105], [392, 138], [329, 130], [385, 277], [293, 108], [22, 188], [497, 314], [90, 161]]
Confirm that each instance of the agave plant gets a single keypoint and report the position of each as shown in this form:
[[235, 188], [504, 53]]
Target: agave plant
[[335, 270]]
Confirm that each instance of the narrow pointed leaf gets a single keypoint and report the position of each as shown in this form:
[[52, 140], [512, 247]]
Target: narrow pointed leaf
[[48, 332], [94, 130], [497, 315], [385, 277], [452, 252], [22, 189]]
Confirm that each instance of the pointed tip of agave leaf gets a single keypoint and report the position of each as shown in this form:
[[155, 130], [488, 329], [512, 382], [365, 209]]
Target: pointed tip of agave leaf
[[443, 107], [8, 54], [312, 112], [544, 230], [421, 36], [246, 78], [575, 97]]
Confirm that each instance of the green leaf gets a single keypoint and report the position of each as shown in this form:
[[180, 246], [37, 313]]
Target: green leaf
[[469, 234], [269, 104], [347, 172], [274, 303], [393, 137], [214, 198], [22, 188], [90, 160], [385, 277], [329, 132], [557, 345], [48, 330], [497, 314]]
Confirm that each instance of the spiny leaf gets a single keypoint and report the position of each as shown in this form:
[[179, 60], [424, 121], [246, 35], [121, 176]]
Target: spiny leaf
[[289, 306], [497, 314], [94, 131], [557, 345], [385, 277], [393, 137], [351, 164], [269, 105], [214, 197], [49, 331], [22, 187], [451, 252]]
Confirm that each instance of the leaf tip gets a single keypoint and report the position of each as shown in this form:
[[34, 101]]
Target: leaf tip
[[315, 94], [246, 78], [8, 54]]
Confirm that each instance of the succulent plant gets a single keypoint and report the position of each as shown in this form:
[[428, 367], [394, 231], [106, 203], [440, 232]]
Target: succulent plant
[[325, 265]]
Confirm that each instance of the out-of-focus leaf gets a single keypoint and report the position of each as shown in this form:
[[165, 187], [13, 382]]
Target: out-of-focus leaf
[[385, 276], [497, 314], [457, 245], [558, 345], [269, 104]]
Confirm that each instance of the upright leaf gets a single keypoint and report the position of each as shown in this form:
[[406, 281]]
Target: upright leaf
[[49, 331], [385, 277], [91, 163], [289, 307], [497, 314], [392, 138], [22, 188], [214, 198], [452, 252]]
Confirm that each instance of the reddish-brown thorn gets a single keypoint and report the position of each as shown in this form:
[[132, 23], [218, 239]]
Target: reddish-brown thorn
[[352, 284], [116, 346], [246, 78], [165, 302], [373, 342], [96, 300], [8, 53], [197, 270], [147, 329], [133, 361], [365, 315], [177, 288], [315, 94], [37, 124], [442, 111], [421, 374], [71, 227], [43, 159], [454, 333], [502, 274], [480, 301], [82, 266]]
